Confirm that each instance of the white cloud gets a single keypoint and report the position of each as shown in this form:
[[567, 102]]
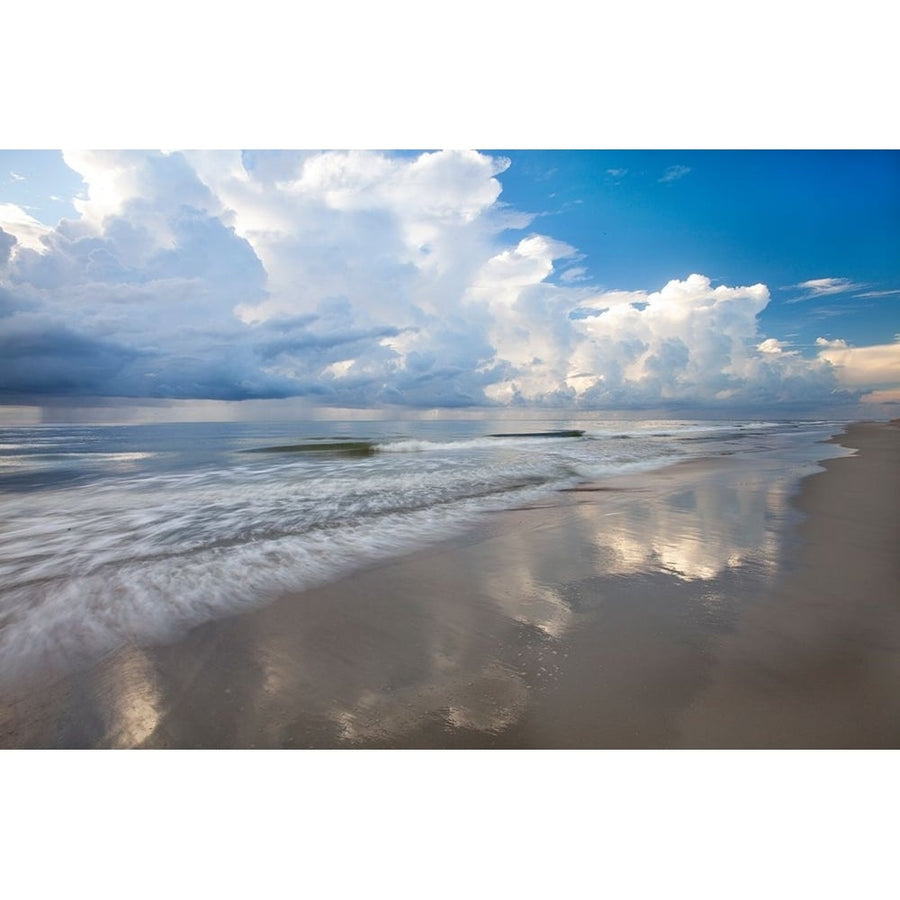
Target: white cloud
[[878, 364], [142, 192], [869, 294], [689, 342], [772, 345], [16, 177], [358, 278], [364, 225], [578, 273], [818, 286], [888, 395], [824, 287], [27, 230], [673, 173]]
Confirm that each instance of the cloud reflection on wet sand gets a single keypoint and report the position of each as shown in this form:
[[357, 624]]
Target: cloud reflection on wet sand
[[468, 643]]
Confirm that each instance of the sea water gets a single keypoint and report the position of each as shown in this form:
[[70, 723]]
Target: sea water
[[112, 534]]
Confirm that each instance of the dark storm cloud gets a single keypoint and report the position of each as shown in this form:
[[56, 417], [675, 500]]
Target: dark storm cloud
[[7, 303], [41, 358], [117, 314], [311, 341]]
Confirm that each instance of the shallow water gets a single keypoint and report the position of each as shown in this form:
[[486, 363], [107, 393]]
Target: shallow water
[[113, 535]]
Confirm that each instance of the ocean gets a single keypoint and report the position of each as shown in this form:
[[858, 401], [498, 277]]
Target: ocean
[[117, 534]]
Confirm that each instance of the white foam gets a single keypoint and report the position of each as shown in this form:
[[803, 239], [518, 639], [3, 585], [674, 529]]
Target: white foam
[[63, 620], [523, 442]]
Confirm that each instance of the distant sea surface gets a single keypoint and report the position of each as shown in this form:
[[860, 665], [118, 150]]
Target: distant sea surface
[[111, 534]]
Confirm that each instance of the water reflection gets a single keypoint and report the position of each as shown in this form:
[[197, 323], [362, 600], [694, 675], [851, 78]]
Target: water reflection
[[517, 583], [131, 697], [488, 701], [467, 642], [727, 518]]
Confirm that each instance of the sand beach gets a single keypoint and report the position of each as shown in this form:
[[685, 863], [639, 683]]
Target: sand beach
[[703, 605]]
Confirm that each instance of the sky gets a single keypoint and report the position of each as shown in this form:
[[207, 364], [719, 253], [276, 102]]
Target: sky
[[618, 280]]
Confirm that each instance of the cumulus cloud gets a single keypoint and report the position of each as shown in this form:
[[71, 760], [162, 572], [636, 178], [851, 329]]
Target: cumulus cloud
[[689, 342], [355, 278], [888, 395], [7, 242], [773, 345], [878, 364], [27, 230], [838, 343]]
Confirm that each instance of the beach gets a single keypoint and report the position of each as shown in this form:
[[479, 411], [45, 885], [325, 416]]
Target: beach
[[706, 604], [817, 663]]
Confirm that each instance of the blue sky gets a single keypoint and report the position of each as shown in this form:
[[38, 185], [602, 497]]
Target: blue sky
[[781, 217], [652, 279]]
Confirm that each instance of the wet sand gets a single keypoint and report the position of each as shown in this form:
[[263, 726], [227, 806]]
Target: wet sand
[[692, 607], [817, 662]]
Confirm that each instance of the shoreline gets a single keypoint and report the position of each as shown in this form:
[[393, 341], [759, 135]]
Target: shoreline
[[817, 664], [688, 610]]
